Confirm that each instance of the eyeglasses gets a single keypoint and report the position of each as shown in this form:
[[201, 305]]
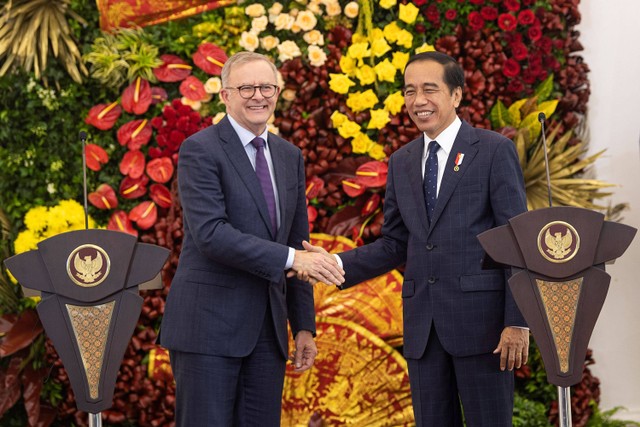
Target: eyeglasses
[[247, 91]]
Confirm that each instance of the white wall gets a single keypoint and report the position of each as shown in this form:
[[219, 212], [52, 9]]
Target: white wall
[[610, 34]]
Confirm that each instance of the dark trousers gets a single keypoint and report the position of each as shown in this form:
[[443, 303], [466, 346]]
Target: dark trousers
[[217, 391], [440, 382]]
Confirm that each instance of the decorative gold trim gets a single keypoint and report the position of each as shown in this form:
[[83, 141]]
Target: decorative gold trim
[[560, 246], [89, 270]]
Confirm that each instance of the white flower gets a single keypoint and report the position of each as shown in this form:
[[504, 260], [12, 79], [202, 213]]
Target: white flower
[[333, 8], [314, 7], [259, 24], [351, 9], [314, 37], [316, 55], [196, 105], [275, 9], [306, 20], [255, 10], [288, 50], [216, 119], [269, 42], [274, 130], [213, 85], [288, 95], [51, 188], [249, 41], [284, 21]]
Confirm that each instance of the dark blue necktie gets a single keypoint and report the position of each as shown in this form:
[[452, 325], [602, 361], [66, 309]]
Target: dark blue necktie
[[264, 177], [430, 183]]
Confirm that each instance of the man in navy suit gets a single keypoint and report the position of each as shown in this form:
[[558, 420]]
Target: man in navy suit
[[245, 217], [463, 333]]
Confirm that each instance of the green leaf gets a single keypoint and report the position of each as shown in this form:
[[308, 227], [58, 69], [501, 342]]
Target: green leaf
[[544, 89], [499, 116], [515, 112], [548, 107]]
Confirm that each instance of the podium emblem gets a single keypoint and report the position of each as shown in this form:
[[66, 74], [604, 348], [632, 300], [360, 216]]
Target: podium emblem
[[88, 265], [558, 242]]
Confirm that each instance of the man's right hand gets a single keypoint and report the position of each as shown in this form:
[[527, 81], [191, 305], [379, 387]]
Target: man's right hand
[[314, 264]]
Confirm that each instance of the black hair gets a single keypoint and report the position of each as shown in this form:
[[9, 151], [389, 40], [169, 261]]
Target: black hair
[[453, 72]]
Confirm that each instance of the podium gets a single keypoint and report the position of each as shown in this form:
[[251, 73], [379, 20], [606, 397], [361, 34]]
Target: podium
[[89, 282]]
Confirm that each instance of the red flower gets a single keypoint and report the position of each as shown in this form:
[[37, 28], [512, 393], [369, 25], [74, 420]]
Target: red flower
[[450, 14], [476, 1], [104, 197], [132, 164], [511, 68], [157, 122], [352, 188], [545, 44], [432, 13], [135, 134], [144, 215], [312, 213], [193, 89], [515, 86], [534, 32], [372, 174], [119, 221], [489, 13], [419, 2], [210, 58], [95, 157], [161, 195], [136, 98], [519, 51], [104, 116], [370, 205], [158, 95], [512, 5], [507, 22], [131, 188], [173, 69], [526, 17], [160, 169], [314, 186], [476, 22]]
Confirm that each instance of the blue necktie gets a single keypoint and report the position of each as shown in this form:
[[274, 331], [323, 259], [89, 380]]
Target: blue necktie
[[430, 183], [264, 177]]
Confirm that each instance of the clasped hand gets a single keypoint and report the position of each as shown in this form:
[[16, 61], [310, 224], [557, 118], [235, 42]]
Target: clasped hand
[[314, 264]]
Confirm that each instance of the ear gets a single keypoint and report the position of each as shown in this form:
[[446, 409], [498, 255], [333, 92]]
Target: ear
[[457, 96], [224, 96]]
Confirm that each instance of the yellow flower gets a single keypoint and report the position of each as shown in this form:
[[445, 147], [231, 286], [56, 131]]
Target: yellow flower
[[316, 56], [386, 71], [408, 13], [351, 9], [425, 48], [379, 47], [259, 24], [377, 152], [379, 119], [288, 50], [359, 38], [337, 118], [391, 31], [394, 102], [387, 4], [340, 83], [361, 101], [213, 85], [314, 37], [269, 42], [333, 8], [283, 21], [348, 129], [400, 60], [358, 50], [405, 39], [249, 41], [219, 116], [347, 65], [366, 75], [255, 10], [306, 20], [26, 241], [36, 219], [361, 143]]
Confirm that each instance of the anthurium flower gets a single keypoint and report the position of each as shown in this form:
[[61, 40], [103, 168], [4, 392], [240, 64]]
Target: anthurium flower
[[104, 116], [136, 98], [160, 169], [370, 205], [144, 215], [192, 88], [132, 188], [135, 134], [132, 164], [314, 185], [104, 197], [210, 58], [96, 156], [173, 69], [119, 221], [352, 188], [158, 95], [161, 195], [372, 174]]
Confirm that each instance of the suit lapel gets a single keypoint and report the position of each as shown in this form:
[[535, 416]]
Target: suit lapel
[[414, 168], [463, 144], [237, 155]]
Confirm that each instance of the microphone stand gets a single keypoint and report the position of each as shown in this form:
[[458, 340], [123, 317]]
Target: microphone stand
[[95, 420], [564, 395]]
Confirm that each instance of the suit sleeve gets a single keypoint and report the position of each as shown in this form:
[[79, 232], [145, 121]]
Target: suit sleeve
[[508, 199]]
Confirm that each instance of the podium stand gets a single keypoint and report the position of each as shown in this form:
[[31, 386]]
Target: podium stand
[[559, 282], [89, 282]]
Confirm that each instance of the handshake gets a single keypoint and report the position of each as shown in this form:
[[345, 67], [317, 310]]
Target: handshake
[[314, 264]]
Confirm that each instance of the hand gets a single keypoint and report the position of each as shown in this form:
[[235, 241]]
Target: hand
[[513, 348], [305, 353], [314, 264]]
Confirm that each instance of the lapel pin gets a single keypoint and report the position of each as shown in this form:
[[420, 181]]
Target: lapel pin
[[458, 161]]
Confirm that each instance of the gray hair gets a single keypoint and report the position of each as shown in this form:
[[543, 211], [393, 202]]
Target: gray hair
[[241, 58]]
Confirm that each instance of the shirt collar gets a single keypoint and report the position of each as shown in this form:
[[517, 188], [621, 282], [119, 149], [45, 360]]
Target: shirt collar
[[446, 138], [246, 136]]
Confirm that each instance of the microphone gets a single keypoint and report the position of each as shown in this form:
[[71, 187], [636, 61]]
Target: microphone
[[83, 139], [542, 118]]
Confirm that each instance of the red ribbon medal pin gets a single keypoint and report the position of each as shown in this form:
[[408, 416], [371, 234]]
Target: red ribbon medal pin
[[458, 161]]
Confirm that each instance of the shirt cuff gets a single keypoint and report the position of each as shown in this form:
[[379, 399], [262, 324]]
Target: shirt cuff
[[290, 257], [339, 261]]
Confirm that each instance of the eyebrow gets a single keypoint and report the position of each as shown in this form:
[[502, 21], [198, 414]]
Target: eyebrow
[[426, 84]]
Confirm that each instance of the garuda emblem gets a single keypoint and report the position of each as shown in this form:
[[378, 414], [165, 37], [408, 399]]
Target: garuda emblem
[[558, 241], [88, 265]]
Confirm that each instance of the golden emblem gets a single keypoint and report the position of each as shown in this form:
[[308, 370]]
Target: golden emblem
[[88, 265], [558, 241]]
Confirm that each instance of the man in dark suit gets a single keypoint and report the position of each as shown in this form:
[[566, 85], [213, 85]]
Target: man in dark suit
[[225, 322], [463, 333]]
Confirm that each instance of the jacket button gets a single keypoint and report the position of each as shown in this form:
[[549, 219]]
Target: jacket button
[[430, 246], [431, 280]]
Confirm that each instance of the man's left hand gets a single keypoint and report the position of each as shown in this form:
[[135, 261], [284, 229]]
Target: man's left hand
[[305, 353], [513, 348]]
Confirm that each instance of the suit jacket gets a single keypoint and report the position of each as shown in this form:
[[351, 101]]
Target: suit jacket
[[444, 282], [231, 265]]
